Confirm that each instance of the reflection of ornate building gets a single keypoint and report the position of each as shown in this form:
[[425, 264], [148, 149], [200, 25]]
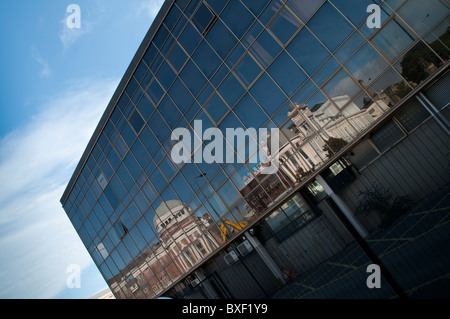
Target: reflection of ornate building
[[184, 241]]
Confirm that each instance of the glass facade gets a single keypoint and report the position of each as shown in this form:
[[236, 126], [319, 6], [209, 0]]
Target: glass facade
[[313, 69]]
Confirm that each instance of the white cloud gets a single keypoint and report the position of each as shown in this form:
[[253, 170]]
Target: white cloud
[[45, 71], [149, 7], [37, 241], [69, 36]]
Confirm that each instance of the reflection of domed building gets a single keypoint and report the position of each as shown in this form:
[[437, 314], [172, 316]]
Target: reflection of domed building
[[184, 240]]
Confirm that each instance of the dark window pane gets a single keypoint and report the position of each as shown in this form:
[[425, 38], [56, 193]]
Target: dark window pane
[[327, 19], [237, 17], [169, 111], [181, 95], [136, 121], [247, 70], [193, 78], [268, 94], [166, 75], [206, 59], [411, 115], [284, 25], [221, 39], [265, 48], [287, 73], [202, 18], [231, 90], [308, 52], [216, 108], [190, 38], [155, 92], [177, 57], [387, 136]]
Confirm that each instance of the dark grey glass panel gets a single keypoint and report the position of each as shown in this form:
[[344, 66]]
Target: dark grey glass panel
[[387, 136], [113, 200], [172, 17], [181, 95], [124, 176], [136, 121], [265, 49], [166, 75], [155, 91], [169, 112], [133, 167], [168, 168], [326, 71], [216, 108], [305, 9], [256, 7], [140, 153], [193, 78], [327, 19], [202, 18], [190, 38], [287, 73], [182, 188], [128, 135], [284, 25], [158, 180], [177, 57], [268, 94], [411, 115], [237, 17], [118, 187], [145, 107], [247, 70], [206, 59], [159, 127], [250, 113], [160, 37], [308, 52], [221, 39], [150, 55], [231, 90], [149, 140]]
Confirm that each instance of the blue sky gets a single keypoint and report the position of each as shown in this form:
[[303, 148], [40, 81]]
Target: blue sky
[[55, 84]]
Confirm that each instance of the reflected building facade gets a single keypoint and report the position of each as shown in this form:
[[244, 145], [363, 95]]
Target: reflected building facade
[[340, 93]]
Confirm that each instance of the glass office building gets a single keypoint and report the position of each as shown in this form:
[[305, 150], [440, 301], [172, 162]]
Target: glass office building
[[360, 100]]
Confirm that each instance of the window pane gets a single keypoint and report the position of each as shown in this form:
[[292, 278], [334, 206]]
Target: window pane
[[268, 94], [206, 59], [202, 18], [237, 17], [221, 39], [248, 70], [362, 154], [392, 39], [284, 25], [326, 19], [216, 108], [136, 121], [308, 52], [287, 73], [411, 115], [387, 136], [265, 49]]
